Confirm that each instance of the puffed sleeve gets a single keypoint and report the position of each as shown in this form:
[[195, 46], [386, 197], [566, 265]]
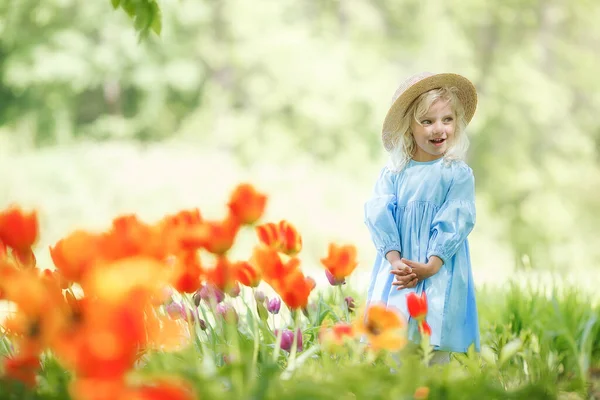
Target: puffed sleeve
[[380, 214], [456, 217]]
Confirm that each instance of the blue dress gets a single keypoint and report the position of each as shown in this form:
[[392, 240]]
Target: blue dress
[[428, 209]]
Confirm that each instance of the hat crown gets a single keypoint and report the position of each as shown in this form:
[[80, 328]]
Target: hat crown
[[411, 80]]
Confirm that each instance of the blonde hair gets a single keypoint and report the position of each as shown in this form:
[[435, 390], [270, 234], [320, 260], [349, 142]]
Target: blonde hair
[[403, 142]]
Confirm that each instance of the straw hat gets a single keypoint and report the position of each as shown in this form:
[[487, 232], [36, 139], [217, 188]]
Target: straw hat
[[418, 84]]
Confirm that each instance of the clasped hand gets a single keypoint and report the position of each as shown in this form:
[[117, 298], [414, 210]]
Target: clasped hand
[[409, 273]]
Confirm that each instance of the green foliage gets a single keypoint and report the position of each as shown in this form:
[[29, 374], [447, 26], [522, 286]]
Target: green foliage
[[145, 14]]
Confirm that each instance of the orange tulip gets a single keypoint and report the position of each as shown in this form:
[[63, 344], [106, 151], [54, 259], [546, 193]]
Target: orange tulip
[[291, 241], [216, 237], [41, 309], [247, 274], [130, 237], [22, 368], [294, 289], [75, 254], [97, 389], [221, 275], [106, 342], [282, 237], [341, 261], [421, 393], [285, 278], [18, 230], [246, 204], [188, 271], [163, 390], [332, 337], [184, 218], [383, 327], [115, 281], [417, 305], [25, 257], [268, 234]]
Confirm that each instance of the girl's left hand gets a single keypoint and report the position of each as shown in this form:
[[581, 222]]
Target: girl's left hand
[[422, 270]]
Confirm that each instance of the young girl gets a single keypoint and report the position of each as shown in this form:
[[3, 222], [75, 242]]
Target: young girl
[[423, 209]]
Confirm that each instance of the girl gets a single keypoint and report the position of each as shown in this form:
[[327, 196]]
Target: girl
[[423, 209]]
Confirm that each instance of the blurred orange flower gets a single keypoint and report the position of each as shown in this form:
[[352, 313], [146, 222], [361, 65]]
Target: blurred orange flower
[[246, 204], [221, 274], [421, 393], [285, 278], [41, 311], [109, 389], [282, 237], [75, 254], [107, 341], [115, 281], [247, 274], [18, 229], [340, 261], [22, 368], [216, 237], [188, 271], [337, 335], [163, 390], [129, 237], [384, 328]]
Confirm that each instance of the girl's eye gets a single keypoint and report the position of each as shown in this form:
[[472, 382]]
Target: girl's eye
[[449, 119], [425, 122]]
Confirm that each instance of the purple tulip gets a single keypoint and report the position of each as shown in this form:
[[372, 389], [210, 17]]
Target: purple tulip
[[332, 280], [180, 311], [274, 305], [175, 310], [259, 296], [287, 339], [227, 312], [210, 293]]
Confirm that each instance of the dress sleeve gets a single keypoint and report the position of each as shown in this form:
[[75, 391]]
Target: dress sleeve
[[380, 214], [456, 217]]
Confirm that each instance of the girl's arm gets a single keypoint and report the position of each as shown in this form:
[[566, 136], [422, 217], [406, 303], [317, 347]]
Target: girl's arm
[[380, 216], [456, 217]]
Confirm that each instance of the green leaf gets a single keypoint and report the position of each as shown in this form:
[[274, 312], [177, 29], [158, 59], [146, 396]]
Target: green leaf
[[509, 350], [129, 7], [262, 311], [488, 355], [115, 3], [142, 18], [156, 18]]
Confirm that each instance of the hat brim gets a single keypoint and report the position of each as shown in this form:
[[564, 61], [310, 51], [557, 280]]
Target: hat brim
[[467, 94]]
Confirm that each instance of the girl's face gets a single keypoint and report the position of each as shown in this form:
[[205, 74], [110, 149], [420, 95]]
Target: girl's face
[[435, 131]]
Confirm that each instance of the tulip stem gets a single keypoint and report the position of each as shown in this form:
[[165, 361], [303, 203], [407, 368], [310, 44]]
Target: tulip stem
[[295, 327], [343, 303], [256, 336]]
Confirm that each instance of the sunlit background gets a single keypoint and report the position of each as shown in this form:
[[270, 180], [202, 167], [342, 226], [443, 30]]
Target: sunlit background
[[290, 95]]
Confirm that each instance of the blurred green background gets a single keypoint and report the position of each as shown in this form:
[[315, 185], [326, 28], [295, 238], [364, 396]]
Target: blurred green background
[[290, 95]]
